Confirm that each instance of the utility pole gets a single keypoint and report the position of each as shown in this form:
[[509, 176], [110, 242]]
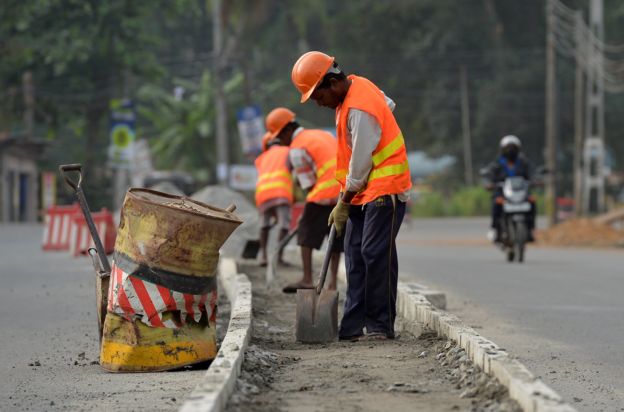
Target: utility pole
[[551, 110], [220, 102], [465, 109], [28, 89], [578, 116], [593, 150]]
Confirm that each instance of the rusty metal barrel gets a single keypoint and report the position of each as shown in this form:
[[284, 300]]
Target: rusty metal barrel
[[162, 299]]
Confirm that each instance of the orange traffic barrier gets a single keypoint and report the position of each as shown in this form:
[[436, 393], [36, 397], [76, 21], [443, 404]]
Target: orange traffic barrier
[[57, 226], [80, 238], [295, 213]]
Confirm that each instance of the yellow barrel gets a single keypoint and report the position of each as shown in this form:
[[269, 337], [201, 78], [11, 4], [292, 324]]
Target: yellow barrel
[[162, 298]]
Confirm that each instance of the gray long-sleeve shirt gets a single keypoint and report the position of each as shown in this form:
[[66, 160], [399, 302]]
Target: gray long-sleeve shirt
[[363, 136]]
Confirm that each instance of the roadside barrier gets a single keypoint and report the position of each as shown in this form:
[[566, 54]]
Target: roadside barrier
[[79, 237], [295, 213], [57, 226]]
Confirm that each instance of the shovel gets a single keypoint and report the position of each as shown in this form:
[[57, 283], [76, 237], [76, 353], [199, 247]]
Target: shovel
[[98, 256], [317, 309]]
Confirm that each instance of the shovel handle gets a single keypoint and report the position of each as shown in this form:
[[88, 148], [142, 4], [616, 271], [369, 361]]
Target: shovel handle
[[77, 186], [328, 253], [74, 167]]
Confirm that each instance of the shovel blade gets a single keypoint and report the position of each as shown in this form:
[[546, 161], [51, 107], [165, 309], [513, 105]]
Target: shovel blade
[[317, 316], [102, 283]]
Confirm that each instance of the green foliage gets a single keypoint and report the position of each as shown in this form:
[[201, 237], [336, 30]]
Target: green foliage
[[183, 130], [430, 204], [84, 52], [468, 201]]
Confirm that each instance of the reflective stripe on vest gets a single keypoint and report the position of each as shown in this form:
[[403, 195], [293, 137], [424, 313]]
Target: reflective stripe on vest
[[279, 173], [390, 169], [379, 157], [329, 164], [274, 178], [321, 147], [322, 186], [273, 185]]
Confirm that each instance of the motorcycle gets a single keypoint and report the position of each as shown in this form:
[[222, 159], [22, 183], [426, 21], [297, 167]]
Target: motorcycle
[[516, 205], [513, 226]]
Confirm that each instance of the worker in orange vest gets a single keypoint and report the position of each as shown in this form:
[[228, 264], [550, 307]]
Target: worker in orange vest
[[312, 159], [274, 192], [375, 180]]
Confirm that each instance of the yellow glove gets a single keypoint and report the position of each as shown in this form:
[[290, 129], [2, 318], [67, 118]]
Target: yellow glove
[[339, 216]]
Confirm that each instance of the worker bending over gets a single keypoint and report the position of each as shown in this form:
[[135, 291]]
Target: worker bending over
[[274, 192], [374, 175], [313, 162]]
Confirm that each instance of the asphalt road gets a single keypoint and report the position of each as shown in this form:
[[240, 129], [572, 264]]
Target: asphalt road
[[561, 312], [49, 343]]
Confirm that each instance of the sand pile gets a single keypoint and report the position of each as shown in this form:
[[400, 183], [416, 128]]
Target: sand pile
[[582, 232]]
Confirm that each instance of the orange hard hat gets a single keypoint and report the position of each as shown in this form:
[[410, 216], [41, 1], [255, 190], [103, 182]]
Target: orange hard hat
[[308, 72], [277, 119], [265, 141]]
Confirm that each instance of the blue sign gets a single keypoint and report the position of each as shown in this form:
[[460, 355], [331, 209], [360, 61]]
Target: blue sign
[[250, 129]]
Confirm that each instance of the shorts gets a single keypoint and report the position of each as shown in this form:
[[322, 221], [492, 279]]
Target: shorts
[[279, 214], [313, 227]]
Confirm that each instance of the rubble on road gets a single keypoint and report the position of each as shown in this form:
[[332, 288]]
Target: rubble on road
[[581, 232], [472, 381], [281, 374]]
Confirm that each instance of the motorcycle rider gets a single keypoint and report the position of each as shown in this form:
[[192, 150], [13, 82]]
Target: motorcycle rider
[[511, 162]]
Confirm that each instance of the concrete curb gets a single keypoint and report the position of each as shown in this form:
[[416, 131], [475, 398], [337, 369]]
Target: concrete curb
[[421, 307], [213, 392], [531, 393]]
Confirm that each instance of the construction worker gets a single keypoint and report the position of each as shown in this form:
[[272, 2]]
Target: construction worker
[[374, 176], [274, 192], [312, 159]]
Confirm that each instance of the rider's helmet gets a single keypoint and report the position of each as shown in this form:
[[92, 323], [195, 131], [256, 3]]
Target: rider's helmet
[[510, 146]]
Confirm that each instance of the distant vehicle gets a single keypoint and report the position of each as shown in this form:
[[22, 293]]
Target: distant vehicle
[[517, 202]]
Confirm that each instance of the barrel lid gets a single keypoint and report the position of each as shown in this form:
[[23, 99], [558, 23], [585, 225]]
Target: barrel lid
[[183, 204]]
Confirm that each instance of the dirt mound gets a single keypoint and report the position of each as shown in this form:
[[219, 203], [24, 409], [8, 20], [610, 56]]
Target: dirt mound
[[581, 232]]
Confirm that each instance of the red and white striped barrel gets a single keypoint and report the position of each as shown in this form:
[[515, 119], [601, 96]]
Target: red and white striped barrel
[[132, 297], [80, 239], [57, 225]]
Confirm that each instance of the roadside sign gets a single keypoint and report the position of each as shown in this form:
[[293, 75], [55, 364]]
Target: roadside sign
[[48, 189], [122, 133], [243, 177], [250, 129]]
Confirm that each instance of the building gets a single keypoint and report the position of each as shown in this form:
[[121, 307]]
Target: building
[[19, 178]]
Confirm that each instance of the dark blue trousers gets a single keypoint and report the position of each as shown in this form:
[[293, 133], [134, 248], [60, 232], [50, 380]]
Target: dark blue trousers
[[372, 267]]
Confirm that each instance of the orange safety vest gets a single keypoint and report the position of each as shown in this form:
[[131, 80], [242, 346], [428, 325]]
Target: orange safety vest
[[274, 178], [322, 148], [390, 172]]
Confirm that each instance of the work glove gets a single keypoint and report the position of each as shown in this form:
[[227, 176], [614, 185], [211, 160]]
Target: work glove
[[339, 216]]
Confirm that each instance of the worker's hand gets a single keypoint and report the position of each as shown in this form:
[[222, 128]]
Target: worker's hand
[[339, 216]]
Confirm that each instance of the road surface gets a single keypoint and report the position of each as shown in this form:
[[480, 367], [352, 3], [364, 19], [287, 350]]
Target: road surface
[[49, 342], [561, 313]]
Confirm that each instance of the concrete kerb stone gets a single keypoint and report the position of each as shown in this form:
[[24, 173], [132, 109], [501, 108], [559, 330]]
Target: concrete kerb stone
[[531, 393], [215, 388], [421, 307]]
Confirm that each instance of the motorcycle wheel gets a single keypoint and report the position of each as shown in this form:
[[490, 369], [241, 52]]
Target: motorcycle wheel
[[521, 238], [510, 240], [510, 254]]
